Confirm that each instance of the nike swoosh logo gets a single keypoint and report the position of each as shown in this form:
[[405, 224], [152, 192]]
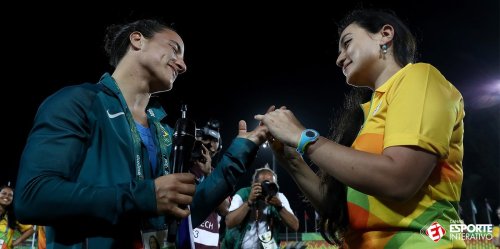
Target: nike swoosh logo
[[114, 115]]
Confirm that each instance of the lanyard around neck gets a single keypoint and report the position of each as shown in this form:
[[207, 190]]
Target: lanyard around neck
[[164, 142], [162, 137]]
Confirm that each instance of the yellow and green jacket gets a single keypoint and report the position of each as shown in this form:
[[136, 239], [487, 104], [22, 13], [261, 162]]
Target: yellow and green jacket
[[418, 107]]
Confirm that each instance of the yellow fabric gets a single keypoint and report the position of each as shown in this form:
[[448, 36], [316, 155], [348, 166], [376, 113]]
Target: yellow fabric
[[8, 234], [496, 231], [417, 106]]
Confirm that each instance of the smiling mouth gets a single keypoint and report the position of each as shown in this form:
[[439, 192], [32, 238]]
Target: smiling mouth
[[344, 69], [174, 72]]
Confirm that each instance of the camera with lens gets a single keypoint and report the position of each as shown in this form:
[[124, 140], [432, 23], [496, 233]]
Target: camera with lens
[[269, 189], [209, 132]]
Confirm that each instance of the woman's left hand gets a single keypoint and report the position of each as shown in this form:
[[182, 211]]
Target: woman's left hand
[[282, 125]]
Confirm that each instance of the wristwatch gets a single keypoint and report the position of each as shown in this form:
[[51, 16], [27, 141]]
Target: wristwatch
[[307, 137]]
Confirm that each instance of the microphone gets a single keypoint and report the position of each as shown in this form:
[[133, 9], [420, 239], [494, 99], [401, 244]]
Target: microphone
[[183, 142]]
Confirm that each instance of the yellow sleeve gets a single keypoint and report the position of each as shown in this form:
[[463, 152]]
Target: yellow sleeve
[[23, 228], [422, 110]]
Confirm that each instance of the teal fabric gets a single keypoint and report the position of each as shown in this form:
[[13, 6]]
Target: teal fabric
[[77, 172], [234, 236]]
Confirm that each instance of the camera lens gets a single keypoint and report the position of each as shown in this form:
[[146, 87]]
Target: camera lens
[[269, 189]]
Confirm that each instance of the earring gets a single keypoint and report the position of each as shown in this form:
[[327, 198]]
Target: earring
[[383, 47]]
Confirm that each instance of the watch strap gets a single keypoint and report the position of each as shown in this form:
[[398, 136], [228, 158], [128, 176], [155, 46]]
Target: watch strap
[[307, 137]]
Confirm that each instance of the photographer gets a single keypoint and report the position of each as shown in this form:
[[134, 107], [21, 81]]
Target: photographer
[[208, 144], [257, 214]]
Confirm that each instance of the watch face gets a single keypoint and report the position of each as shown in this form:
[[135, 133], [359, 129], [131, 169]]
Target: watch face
[[310, 134]]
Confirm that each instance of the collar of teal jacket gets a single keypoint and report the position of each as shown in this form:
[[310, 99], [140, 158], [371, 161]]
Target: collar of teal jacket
[[154, 108]]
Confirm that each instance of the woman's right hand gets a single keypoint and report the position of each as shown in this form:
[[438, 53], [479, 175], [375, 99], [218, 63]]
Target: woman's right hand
[[258, 135], [173, 190]]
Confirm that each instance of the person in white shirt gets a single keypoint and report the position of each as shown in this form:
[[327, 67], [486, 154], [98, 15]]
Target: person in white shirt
[[257, 213]]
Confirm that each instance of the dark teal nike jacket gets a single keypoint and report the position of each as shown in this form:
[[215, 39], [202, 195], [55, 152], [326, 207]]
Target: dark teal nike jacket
[[77, 171]]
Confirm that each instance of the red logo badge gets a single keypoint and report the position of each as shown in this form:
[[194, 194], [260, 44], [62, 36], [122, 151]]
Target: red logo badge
[[435, 231]]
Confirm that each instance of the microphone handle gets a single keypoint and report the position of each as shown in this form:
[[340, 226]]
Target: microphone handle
[[172, 231], [184, 138]]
